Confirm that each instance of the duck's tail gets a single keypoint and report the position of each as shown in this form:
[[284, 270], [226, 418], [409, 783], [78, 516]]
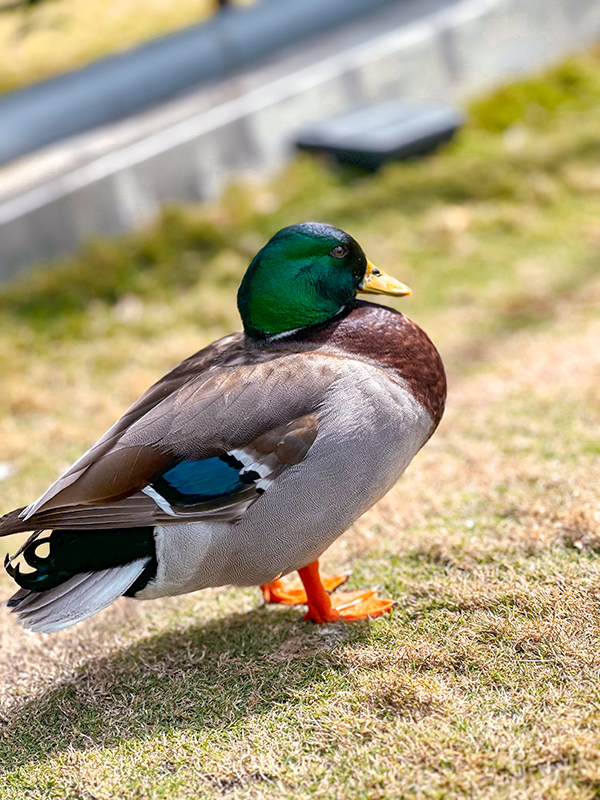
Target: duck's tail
[[83, 572], [76, 599]]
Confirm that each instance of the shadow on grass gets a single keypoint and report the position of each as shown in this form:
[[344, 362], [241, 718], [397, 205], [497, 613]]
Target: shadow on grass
[[204, 678]]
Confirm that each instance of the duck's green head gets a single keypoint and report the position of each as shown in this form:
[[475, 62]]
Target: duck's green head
[[305, 275]]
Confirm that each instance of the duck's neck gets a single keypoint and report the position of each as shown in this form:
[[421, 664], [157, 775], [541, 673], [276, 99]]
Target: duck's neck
[[271, 307], [306, 332]]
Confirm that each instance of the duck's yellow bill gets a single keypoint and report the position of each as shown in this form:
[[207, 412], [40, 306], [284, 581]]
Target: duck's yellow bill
[[377, 282]]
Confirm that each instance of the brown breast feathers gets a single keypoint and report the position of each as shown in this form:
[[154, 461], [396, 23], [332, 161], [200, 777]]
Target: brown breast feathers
[[391, 340]]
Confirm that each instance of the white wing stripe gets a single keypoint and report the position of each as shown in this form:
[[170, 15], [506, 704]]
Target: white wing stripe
[[263, 467], [160, 501]]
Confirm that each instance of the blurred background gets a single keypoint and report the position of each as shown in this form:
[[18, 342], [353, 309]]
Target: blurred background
[[102, 125], [148, 150]]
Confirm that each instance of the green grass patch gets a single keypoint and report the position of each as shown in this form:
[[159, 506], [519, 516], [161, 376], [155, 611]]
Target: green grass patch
[[572, 85]]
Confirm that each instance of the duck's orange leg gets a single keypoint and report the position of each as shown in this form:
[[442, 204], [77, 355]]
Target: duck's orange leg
[[345, 605], [292, 593]]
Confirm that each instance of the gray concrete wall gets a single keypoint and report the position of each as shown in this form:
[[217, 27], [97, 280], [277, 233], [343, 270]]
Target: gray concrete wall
[[116, 179]]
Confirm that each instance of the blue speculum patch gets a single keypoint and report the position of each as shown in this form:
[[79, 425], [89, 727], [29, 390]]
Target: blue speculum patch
[[204, 479]]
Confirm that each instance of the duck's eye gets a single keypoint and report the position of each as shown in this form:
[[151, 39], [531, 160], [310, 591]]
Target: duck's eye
[[339, 251]]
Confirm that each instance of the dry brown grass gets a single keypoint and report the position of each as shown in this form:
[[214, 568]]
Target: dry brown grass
[[59, 35]]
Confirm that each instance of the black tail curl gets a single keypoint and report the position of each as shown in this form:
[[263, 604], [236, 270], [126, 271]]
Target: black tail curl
[[74, 552]]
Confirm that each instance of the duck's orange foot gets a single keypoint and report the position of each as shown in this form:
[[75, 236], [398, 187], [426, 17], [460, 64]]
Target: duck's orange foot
[[292, 593], [350, 606], [345, 605]]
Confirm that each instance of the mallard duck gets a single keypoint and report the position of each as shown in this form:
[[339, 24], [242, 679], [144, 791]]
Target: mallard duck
[[246, 461]]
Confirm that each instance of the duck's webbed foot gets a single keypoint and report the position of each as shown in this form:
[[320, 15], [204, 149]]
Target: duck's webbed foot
[[351, 606], [292, 593], [313, 590]]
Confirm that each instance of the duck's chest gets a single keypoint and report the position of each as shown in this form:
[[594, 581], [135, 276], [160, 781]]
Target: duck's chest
[[370, 425], [370, 428]]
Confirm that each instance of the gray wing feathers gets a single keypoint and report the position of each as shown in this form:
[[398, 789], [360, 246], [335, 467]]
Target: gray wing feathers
[[158, 394], [268, 455], [230, 408], [224, 408], [132, 512], [76, 599]]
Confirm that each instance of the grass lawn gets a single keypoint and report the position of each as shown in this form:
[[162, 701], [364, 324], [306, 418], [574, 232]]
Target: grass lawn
[[484, 680], [55, 36]]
